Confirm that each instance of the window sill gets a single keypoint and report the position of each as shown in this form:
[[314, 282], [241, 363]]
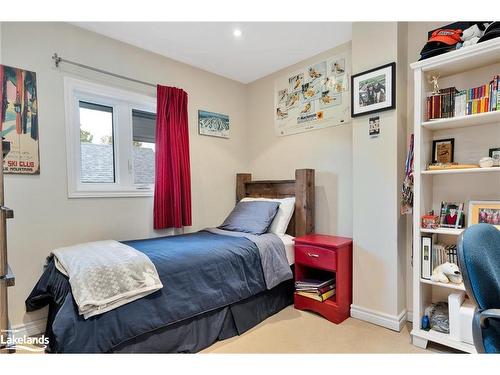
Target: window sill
[[110, 194]]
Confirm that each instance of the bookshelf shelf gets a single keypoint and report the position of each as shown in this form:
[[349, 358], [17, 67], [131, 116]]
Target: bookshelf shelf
[[463, 121], [443, 285], [463, 170], [446, 231], [443, 339], [461, 60], [457, 68]]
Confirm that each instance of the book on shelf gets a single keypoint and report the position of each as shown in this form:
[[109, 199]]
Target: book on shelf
[[318, 291], [441, 105], [313, 283], [451, 102], [316, 296], [434, 254]]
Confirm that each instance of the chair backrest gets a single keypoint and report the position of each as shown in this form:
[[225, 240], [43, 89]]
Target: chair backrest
[[479, 262]]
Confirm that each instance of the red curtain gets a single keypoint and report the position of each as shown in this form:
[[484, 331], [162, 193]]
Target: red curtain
[[172, 200]]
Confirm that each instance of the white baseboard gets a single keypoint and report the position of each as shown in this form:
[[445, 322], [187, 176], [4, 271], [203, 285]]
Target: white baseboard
[[393, 322], [33, 328], [409, 316]]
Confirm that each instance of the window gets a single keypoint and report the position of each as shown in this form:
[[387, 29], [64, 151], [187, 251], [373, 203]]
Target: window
[[110, 141], [143, 140], [96, 143]]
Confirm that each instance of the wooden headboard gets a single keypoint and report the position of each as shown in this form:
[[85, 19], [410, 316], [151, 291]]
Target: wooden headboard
[[302, 188]]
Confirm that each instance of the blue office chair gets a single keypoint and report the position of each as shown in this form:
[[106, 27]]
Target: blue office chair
[[479, 261]]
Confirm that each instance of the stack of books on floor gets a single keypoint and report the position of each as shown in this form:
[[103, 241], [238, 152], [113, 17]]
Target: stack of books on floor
[[319, 290]]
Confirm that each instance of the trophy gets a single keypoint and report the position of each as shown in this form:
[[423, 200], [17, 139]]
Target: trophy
[[435, 85]]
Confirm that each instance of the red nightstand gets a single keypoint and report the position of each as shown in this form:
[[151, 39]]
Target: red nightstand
[[322, 253]]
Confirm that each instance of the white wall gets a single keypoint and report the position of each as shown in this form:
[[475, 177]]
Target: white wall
[[378, 272], [44, 217], [328, 151]]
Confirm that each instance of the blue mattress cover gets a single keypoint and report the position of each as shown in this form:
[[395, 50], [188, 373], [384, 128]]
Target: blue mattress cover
[[200, 272]]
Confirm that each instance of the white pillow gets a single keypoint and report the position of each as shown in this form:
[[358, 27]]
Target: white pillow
[[283, 216]]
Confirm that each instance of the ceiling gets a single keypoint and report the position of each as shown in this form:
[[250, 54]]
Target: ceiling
[[263, 48]]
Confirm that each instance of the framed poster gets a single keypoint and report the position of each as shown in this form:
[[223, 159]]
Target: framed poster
[[213, 124], [19, 120], [374, 90], [314, 97]]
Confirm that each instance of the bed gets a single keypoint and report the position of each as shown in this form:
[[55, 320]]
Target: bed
[[214, 286]]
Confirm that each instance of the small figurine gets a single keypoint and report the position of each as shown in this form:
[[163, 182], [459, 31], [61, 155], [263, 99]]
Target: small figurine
[[435, 84]]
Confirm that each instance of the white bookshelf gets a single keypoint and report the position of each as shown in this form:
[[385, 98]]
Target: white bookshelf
[[444, 231], [443, 285], [463, 121], [464, 68], [463, 170]]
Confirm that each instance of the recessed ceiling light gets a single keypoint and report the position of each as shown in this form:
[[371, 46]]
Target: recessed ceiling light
[[237, 33]]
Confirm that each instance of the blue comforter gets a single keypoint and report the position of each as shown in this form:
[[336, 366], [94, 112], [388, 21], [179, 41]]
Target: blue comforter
[[200, 272]]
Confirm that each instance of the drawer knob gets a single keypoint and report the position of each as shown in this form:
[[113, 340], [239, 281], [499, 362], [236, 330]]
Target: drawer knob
[[313, 255]]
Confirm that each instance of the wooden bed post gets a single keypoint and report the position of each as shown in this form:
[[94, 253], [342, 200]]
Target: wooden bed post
[[241, 179], [304, 201]]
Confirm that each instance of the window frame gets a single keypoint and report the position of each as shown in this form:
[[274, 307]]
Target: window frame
[[122, 102]]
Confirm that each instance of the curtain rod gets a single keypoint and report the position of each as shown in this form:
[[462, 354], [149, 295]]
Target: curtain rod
[[57, 60]]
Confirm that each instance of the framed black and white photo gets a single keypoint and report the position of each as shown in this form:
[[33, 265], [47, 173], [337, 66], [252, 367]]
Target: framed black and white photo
[[495, 155], [373, 90]]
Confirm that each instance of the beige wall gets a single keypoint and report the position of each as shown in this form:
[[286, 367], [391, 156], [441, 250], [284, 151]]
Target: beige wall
[[328, 151], [44, 217], [378, 266], [416, 39]]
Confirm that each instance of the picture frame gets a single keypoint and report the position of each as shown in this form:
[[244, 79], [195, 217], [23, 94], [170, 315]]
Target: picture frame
[[494, 153], [452, 215], [484, 212], [213, 124], [373, 90], [443, 150]]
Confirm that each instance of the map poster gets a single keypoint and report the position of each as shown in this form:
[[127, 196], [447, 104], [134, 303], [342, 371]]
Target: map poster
[[19, 120], [314, 97]]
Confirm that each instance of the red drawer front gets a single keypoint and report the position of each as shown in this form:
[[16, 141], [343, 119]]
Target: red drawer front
[[316, 257]]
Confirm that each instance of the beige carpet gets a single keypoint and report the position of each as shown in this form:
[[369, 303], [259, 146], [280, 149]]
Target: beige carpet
[[294, 331]]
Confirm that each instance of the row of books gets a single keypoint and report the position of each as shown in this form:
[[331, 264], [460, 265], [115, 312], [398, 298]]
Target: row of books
[[319, 290], [453, 103], [441, 105], [435, 254]]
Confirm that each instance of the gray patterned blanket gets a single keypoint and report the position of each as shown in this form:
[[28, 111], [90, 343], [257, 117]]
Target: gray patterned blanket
[[106, 274]]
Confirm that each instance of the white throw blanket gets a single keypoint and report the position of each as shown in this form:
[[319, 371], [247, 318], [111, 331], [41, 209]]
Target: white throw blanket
[[106, 274]]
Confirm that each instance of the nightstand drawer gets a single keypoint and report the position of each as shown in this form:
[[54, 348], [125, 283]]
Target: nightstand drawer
[[316, 257]]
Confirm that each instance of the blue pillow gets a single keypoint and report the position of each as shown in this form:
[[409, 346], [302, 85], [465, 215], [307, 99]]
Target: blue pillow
[[251, 217]]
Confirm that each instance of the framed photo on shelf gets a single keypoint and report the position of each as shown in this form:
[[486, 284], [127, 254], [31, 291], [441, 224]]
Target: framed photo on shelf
[[484, 212], [443, 150], [495, 155], [373, 90], [452, 215]]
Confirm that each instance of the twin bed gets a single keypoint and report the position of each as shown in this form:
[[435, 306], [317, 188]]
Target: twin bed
[[216, 284]]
